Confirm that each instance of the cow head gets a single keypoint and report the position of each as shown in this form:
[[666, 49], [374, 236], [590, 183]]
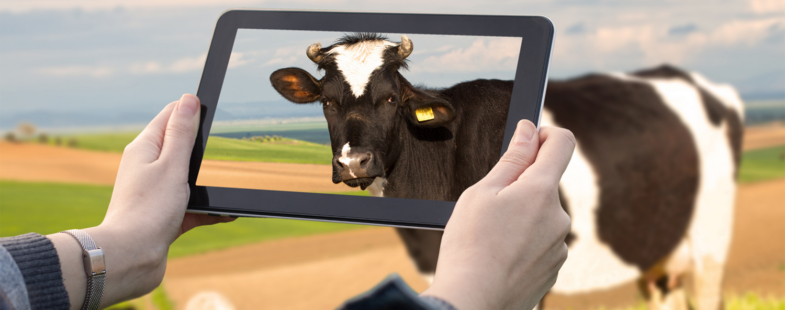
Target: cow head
[[366, 101]]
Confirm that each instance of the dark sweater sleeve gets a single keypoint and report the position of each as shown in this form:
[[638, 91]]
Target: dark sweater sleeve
[[37, 260], [394, 293]]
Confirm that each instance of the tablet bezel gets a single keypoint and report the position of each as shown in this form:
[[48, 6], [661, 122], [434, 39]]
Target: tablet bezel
[[527, 98]]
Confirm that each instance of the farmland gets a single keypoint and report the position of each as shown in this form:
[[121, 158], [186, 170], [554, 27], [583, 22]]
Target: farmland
[[222, 148], [762, 164], [51, 207]]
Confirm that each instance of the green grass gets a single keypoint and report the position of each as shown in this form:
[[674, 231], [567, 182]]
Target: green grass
[[161, 299], [227, 127], [108, 142], [221, 148], [762, 165], [751, 301], [748, 301], [47, 208], [756, 165]]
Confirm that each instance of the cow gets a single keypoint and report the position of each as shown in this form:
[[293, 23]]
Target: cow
[[650, 187]]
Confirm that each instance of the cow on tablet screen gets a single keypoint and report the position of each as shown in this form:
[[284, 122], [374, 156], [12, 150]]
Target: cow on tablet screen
[[650, 187]]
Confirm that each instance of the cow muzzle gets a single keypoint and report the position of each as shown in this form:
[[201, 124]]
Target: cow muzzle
[[356, 168]]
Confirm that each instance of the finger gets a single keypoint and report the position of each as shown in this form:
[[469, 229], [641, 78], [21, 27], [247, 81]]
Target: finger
[[192, 220], [181, 130], [146, 147], [519, 156], [555, 153]]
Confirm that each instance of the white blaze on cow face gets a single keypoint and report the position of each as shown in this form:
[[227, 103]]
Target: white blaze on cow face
[[358, 61], [345, 159]]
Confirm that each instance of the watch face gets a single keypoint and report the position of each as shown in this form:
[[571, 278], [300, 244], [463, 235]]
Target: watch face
[[94, 262]]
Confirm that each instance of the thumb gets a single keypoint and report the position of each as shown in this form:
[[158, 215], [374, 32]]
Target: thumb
[[519, 156], [181, 130]]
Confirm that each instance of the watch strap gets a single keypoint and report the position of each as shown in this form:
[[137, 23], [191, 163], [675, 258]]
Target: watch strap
[[94, 268]]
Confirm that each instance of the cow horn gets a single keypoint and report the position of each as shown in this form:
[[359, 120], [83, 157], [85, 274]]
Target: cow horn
[[314, 52], [405, 48]]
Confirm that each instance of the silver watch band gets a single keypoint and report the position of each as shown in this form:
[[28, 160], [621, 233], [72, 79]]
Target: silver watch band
[[95, 268]]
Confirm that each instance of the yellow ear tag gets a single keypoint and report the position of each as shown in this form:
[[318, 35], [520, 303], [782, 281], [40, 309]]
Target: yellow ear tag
[[424, 114]]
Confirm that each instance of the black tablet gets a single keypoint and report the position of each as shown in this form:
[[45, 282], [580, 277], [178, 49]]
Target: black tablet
[[368, 118]]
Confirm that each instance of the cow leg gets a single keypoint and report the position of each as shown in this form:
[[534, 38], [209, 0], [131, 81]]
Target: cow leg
[[423, 248], [665, 293], [662, 283], [708, 284]]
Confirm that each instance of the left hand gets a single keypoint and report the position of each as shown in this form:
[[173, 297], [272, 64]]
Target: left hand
[[147, 210]]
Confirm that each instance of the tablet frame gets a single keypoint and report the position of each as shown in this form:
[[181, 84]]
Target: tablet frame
[[531, 76]]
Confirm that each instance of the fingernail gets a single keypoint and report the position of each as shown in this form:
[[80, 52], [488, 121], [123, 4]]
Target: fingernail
[[524, 132], [188, 105]]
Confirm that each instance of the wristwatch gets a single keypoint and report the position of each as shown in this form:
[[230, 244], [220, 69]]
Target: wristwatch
[[94, 267]]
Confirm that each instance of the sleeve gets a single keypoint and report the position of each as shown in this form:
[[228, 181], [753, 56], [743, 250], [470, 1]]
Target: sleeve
[[36, 259], [394, 293]]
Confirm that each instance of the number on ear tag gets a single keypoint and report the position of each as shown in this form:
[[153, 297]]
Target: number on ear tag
[[424, 114]]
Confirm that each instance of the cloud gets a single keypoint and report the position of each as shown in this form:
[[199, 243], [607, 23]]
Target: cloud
[[746, 32], [186, 64], [650, 44], [285, 56], [90, 5], [483, 55], [182, 65], [767, 6], [682, 29], [70, 71], [238, 59]]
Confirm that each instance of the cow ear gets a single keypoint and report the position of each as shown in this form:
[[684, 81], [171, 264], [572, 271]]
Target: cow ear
[[296, 85], [425, 110]]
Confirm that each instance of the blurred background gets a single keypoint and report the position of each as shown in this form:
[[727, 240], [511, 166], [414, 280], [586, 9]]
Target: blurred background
[[80, 78]]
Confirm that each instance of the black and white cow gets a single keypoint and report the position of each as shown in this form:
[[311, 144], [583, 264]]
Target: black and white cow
[[650, 188]]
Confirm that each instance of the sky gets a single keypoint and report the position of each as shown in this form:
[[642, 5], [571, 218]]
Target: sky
[[99, 62], [436, 61]]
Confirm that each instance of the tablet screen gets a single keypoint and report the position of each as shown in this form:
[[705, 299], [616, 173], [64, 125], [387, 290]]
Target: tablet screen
[[338, 113]]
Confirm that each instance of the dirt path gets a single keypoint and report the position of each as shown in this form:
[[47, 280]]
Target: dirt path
[[270, 176], [36, 162], [758, 137], [315, 272]]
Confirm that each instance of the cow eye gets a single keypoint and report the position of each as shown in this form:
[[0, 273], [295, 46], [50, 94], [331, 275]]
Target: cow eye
[[391, 100], [326, 102]]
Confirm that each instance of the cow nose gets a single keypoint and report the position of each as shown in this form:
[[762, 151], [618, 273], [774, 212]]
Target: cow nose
[[355, 165], [365, 159]]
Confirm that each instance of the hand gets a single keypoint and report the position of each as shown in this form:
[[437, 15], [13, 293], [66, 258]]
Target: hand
[[504, 244], [147, 210]]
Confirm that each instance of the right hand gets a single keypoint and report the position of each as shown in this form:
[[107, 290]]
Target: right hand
[[504, 244]]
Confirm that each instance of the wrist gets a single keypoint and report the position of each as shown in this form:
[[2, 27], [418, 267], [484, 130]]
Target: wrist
[[132, 269], [464, 291]]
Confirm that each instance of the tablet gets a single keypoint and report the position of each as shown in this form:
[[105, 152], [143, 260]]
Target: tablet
[[367, 118]]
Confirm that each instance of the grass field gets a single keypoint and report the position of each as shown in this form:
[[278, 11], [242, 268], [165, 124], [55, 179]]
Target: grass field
[[302, 152], [108, 142], [756, 165], [250, 126], [763, 164], [221, 148], [47, 208]]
